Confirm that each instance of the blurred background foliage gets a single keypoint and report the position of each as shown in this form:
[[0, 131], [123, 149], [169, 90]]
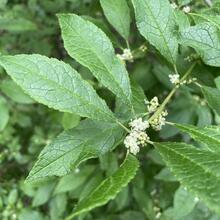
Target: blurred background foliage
[[31, 26]]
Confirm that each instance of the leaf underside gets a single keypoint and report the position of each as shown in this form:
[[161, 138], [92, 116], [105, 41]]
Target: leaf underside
[[89, 139], [110, 187]]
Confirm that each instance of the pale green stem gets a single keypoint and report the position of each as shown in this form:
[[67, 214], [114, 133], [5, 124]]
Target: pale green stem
[[175, 69], [167, 99], [124, 127], [150, 142], [170, 123], [127, 43], [196, 83], [170, 95]]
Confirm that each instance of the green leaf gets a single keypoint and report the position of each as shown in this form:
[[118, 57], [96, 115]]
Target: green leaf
[[118, 15], [217, 82], [70, 120], [156, 22], [9, 88], [30, 215], [3, 4], [204, 114], [109, 163], [139, 106], [182, 20], [4, 113], [138, 98], [43, 194], [16, 24], [58, 206], [88, 140], [184, 204], [198, 170], [89, 45], [212, 96], [210, 136], [207, 16], [91, 184], [109, 188], [73, 180], [56, 84], [204, 38], [165, 175]]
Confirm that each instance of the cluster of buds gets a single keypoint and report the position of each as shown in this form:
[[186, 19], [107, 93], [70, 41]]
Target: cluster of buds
[[175, 79], [186, 9], [143, 48], [126, 56], [137, 137], [174, 5], [152, 105], [158, 122], [202, 102]]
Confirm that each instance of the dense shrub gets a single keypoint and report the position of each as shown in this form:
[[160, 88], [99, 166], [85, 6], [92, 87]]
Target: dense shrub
[[109, 109]]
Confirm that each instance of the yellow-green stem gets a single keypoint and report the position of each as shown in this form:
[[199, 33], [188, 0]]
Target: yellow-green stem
[[170, 95], [124, 127]]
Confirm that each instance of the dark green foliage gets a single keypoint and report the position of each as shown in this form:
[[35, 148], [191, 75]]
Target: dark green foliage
[[69, 89]]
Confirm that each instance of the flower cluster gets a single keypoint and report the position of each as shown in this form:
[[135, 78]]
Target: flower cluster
[[186, 9], [137, 137], [152, 105], [127, 55], [174, 5], [160, 120], [174, 78]]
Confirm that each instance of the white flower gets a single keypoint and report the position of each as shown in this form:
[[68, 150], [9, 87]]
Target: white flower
[[143, 48], [139, 124], [174, 78], [135, 140], [137, 137], [191, 80], [196, 199], [127, 55], [77, 170], [153, 105], [143, 138], [174, 5], [130, 142], [186, 9], [159, 122]]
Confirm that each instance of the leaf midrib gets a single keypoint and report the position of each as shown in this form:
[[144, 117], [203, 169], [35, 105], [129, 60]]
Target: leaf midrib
[[158, 27], [94, 51], [195, 163], [201, 134], [64, 88], [67, 152], [100, 201]]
